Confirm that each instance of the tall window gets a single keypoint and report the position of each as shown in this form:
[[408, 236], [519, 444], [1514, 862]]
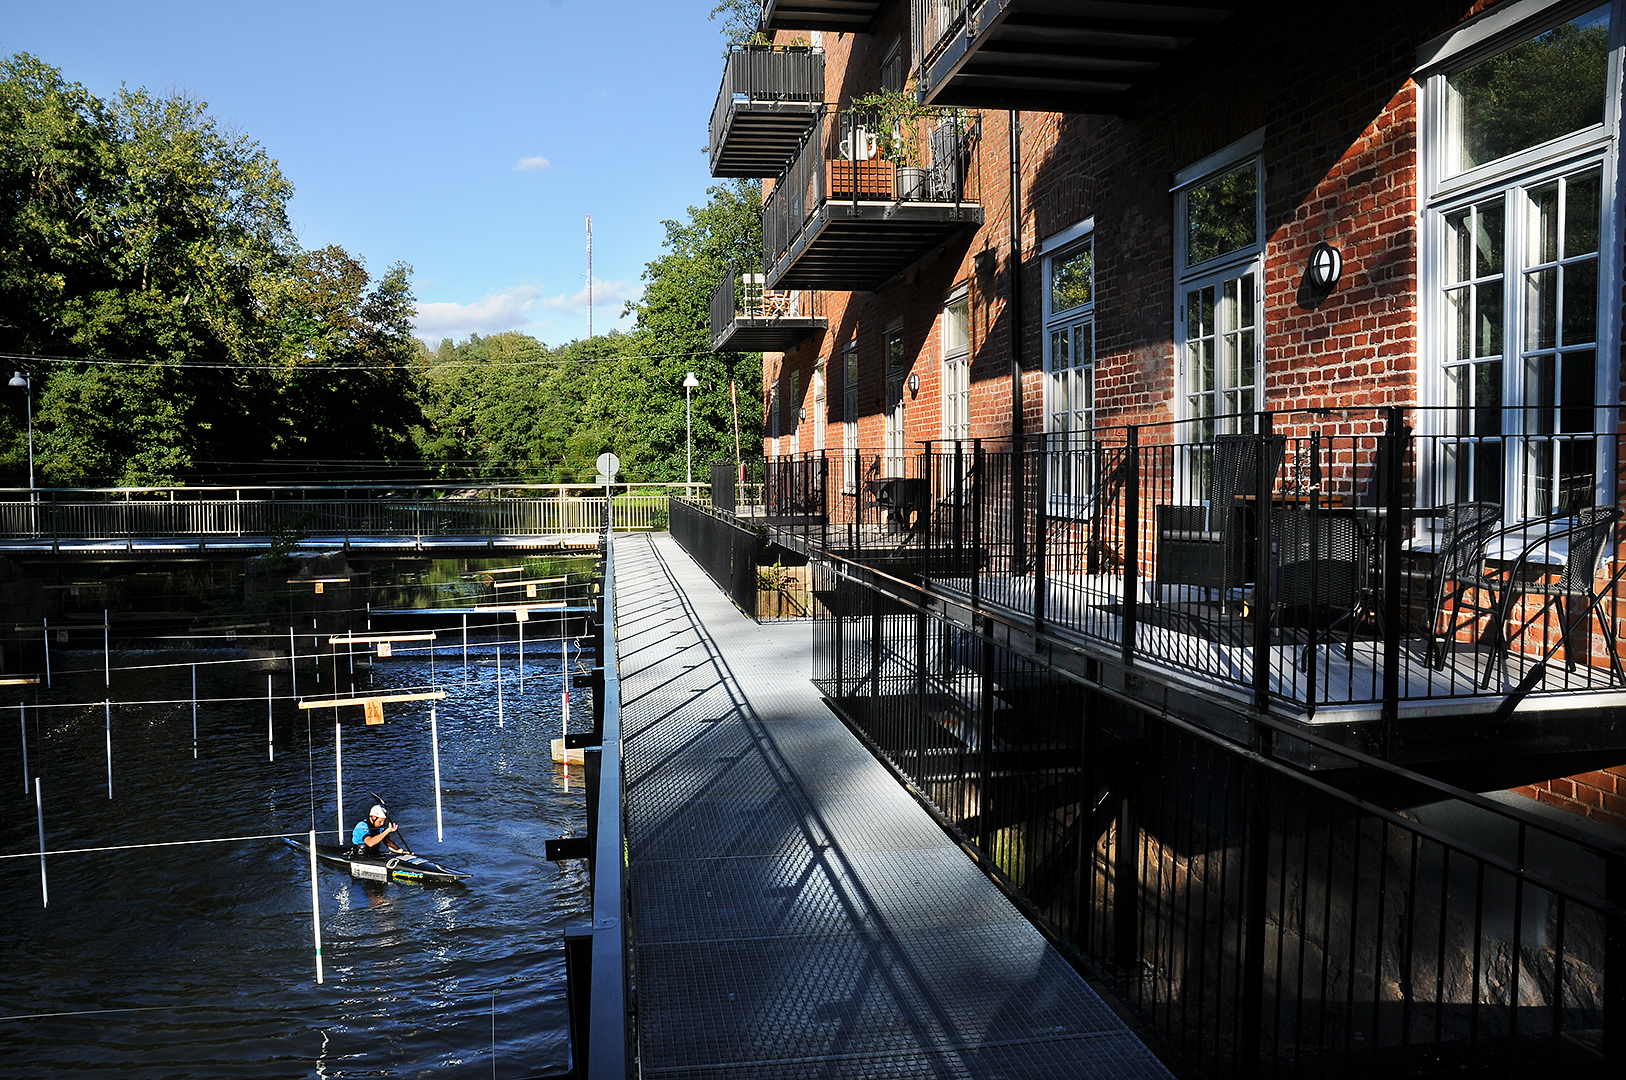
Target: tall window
[[819, 405], [1219, 252], [956, 335], [773, 418], [1069, 358], [793, 420], [897, 367], [1521, 147], [849, 395]]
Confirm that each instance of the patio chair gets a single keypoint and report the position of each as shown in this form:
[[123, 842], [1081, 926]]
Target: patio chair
[[1323, 572], [1587, 534], [1211, 549], [1459, 571]]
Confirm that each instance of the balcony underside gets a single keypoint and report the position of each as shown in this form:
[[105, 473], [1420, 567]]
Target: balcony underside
[[855, 247], [855, 16], [1068, 56], [766, 335], [762, 137]]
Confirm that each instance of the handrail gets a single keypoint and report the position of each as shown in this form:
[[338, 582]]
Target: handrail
[[609, 1050]]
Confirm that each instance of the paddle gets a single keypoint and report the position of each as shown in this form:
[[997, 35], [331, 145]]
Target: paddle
[[391, 819]]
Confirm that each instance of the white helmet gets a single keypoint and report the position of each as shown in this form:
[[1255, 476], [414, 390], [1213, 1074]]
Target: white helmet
[[378, 811]]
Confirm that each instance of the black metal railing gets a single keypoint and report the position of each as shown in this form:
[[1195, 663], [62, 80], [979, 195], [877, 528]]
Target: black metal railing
[[1347, 583], [743, 296], [1357, 921], [855, 157], [935, 21], [765, 74], [726, 550]]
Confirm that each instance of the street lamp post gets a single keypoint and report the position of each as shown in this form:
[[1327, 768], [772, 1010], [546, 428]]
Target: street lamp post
[[26, 382], [689, 383]]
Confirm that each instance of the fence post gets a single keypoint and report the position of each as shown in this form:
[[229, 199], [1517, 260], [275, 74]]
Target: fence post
[[978, 469], [1393, 490], [1251, 1009], [985, 719], [1131, 554], [824, 501], [1040, 514], [1019, 517], [959, 503], [1264, 481]]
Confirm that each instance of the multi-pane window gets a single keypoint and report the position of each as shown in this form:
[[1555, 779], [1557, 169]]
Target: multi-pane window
[[849, 395], [897, 365], [1524, 141], [956, 331], [819, 406], [1220, 250], [1069, 353]]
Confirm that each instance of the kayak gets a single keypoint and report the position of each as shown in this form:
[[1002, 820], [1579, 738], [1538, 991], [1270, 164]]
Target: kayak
[[411, 868]]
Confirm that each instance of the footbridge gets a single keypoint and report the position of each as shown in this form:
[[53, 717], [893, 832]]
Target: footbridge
[[109, 524]]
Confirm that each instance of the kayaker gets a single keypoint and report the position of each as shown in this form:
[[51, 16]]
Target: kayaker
[[375, 833]]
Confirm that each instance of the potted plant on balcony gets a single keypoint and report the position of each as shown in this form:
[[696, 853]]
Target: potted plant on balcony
[[899, 114]]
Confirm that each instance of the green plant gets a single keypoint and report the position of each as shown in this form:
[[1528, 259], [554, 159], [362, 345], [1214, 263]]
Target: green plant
[[899, 113], [775, 578]]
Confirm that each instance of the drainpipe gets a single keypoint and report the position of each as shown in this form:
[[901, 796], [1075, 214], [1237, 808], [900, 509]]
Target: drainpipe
[[1018, 456]]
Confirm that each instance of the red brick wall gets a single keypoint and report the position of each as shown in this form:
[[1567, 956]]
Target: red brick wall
[[1600, 795]]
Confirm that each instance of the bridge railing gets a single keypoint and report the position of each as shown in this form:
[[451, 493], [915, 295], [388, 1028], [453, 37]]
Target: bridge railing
[[320, 512]]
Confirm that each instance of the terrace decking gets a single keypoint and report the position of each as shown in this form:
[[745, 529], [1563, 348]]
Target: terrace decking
[[794, 910]]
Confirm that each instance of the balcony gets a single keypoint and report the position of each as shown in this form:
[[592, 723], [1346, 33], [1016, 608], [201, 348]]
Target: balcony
[[1055, 57], [862, 201], [745, 317], [770, 99], [1474, 593], [852, 16]]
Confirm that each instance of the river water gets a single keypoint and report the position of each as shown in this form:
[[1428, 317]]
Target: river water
[[198, 960]]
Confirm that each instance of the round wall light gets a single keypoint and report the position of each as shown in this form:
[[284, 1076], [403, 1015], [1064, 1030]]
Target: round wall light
[[1326, 266]]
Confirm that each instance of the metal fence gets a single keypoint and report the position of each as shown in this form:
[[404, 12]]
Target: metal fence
[[1359, 921], [765, 73], [419, 511], [1287, 565], [725, 550]]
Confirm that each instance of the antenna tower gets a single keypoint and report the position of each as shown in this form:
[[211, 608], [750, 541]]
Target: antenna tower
[[589, 275]]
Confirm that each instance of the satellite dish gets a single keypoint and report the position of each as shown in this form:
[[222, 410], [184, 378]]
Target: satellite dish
[[608, 466]]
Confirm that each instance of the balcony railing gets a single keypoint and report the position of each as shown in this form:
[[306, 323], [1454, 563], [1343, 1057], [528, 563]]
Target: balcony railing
[[747, 317], [770, 97], [1379, 565], [849, 16], [862, 200]]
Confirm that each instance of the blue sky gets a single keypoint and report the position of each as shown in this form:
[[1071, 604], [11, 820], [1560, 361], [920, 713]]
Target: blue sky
[[469, 140]]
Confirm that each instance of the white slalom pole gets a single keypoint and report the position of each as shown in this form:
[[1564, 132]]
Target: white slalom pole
[[109, 704], [293, 664], [46, 624], [270, 726], [465, 650], [499, 675], [434, 745], [39, 811], [316, 910], [107, 653], [521, 624], [338, 773], [22, 721], [194, 712]]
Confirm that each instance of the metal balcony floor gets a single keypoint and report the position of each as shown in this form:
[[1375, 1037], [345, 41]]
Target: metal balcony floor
[[795, 912]]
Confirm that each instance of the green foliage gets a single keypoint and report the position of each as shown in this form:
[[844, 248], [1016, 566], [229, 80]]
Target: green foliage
[[140, 229], [741, 21]]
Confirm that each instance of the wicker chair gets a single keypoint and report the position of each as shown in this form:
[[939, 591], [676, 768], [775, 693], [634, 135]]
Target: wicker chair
[[1209, 547], [1323, 573], [1459, 571], [1587, 534]]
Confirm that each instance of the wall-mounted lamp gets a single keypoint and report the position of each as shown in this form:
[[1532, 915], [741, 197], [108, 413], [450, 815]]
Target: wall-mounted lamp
[[801, 414], [984, 262], [914, 382], [1325, 267]]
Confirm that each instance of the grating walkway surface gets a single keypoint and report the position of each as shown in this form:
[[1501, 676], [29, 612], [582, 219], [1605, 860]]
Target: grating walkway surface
[[795, 913]]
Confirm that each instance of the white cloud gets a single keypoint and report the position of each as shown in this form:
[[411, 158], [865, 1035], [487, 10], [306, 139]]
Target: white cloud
[[513, 309], [533, 164], [605, 294], [496, 312]]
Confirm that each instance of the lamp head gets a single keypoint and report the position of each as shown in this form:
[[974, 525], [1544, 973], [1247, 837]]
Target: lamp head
[[18, 380], [690, 382], [1326, 266]]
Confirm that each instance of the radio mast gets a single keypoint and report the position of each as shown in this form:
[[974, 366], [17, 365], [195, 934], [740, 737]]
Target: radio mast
[[589, 275]]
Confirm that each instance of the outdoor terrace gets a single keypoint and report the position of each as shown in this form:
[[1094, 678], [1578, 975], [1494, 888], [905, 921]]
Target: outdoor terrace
[[1481, 577], [1050, 56], [770, 98], [745, 317], [864, 199]]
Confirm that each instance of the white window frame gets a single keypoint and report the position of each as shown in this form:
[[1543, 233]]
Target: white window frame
[[849, 409], [1498, 29], [956, 378], [1221, 268], [897, 420], [820, 405], [1071, 480]]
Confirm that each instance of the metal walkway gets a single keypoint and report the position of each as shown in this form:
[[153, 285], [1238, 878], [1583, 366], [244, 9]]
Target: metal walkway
[[795, 913]]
